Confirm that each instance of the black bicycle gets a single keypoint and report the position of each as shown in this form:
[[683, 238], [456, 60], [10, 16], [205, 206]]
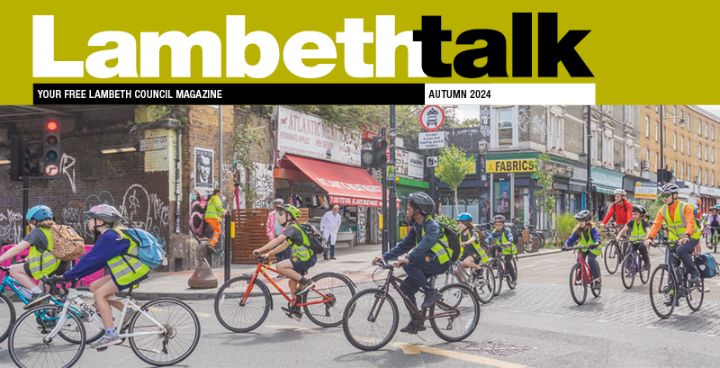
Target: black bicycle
[[371, 317], [497, 265], [669, 283], [632, 265], [613, 253]]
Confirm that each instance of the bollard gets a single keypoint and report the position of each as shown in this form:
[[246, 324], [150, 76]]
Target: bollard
[[203, 277]]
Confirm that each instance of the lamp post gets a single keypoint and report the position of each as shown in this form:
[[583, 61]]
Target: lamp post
[[588, 189], [661, 167]]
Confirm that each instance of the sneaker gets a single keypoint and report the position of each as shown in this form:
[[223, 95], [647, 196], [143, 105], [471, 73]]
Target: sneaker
[[596, 285], [106, 341], [431, 297], [293, 312], [333, 258], [304, 287], [36, 300], [413, 327]]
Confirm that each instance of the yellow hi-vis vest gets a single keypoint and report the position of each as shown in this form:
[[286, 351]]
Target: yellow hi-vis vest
[[214, 208], [42, 263], [301, 251], [127, 268], [586, 243], [676, 226], [638, 232], [465, 236], [441, 252], [512, 249]]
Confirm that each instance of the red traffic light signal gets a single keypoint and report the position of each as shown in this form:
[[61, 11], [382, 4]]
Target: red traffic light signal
[[52, 152], [51, 126]]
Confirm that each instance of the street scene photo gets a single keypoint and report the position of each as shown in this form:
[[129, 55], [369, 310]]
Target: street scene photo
[[359, 235]]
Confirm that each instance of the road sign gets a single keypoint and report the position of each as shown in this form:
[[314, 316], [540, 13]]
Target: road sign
[[431, 140], [52, 170], [432, 118], [431, 161]]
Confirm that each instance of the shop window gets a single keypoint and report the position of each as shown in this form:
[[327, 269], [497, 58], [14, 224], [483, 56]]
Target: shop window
[[505, 134]]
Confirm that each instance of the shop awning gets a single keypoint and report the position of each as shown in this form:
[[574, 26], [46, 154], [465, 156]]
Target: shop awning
[[345, 185]]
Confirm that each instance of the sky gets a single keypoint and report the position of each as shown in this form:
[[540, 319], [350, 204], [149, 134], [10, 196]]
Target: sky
[[466, 112]]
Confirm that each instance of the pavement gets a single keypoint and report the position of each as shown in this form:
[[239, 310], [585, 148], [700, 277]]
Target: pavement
[[353, 262]]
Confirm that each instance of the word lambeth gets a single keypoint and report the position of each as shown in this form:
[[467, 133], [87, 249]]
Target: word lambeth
[[312, 54]]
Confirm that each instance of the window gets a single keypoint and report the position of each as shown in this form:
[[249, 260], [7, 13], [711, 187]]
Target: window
[[687, 146], [675, 114], [657, 109], [682, 171], [712, 154], [707, 174], [689, 122], [700, 124], [705, 152], [556, 132], [699, 151], [657, 161], [682, 145], [705, 129], [712, 133], [629, 156], [647, 127], [504, 136], [674, 141], [689, 173], [607, 148], [647, 155], [674, 171], [657, 130]]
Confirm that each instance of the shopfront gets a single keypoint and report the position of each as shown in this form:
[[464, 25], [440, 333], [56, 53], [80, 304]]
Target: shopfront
[[709, 197]]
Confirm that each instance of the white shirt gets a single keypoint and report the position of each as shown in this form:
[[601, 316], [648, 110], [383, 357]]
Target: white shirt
[[330, 225]]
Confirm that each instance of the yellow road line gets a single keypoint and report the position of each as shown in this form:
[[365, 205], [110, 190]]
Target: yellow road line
[[412, 349]]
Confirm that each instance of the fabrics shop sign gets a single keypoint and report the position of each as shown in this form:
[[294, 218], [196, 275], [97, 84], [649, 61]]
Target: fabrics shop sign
[[307, 135]]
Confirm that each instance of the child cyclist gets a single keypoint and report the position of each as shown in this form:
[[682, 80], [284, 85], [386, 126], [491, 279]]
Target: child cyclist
[[589, 238], [301, 259], [471, 252], [502, 236], [637, 227]]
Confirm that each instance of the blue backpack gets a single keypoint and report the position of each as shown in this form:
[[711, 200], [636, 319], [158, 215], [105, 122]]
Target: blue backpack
[[707, 265], [150, 252]]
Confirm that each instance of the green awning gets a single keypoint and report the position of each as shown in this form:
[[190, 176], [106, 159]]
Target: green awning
[[413, 183], [605, 190]]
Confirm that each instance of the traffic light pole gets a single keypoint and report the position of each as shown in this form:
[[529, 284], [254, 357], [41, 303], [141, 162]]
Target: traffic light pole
[[26, 192], [392, 205], [384, 232]]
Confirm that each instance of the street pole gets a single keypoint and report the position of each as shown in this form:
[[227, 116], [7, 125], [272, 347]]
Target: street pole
[[392, 205], [26, 190], [588, 189], [661, 167], [385, 248]]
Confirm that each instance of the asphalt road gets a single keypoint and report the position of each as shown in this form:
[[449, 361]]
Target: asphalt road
[[536, 325]]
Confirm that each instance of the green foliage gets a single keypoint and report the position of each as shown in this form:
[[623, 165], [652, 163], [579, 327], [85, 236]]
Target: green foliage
[[545, 195], [565, 225], [448, 221], [246, 136], [178, 112], [651, 206], [453, 166]]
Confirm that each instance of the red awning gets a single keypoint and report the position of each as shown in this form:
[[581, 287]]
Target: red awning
[[346, 185]]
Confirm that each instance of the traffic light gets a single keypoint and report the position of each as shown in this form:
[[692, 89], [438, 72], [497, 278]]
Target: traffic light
[[664, 176], [32, 153], [51, 149], [379, 151]]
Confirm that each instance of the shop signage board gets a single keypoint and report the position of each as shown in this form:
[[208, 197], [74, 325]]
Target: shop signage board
[[307, 135], [431, 140], [522, 165], [646, 190], [606, 177], [711, 192], [409, 164]]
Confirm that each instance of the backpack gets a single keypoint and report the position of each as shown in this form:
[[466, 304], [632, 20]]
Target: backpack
[[453, 239], [67, 244], [317, 242], [150, 251], [707, 265]]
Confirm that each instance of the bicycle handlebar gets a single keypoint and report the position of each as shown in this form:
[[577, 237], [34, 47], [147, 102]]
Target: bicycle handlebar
[[61, 290]]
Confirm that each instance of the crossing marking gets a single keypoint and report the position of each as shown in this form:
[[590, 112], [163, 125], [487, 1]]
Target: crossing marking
[[412, 349]]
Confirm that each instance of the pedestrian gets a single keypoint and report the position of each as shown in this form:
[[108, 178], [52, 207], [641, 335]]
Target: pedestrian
[[329, 227], [273, 229], [213, 217]]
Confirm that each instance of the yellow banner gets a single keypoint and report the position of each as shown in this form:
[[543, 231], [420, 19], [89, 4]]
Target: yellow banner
[[511, 166]]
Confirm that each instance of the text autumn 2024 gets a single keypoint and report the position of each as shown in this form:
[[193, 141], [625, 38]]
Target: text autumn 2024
[[425, 58]]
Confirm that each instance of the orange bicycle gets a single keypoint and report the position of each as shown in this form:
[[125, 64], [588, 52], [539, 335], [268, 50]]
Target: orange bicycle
[[243, 303]]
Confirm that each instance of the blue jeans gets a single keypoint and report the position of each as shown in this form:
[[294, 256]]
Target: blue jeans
[[418, 275]]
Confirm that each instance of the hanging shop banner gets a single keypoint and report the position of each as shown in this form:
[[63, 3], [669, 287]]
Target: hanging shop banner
[[511, 166], [307, 135]]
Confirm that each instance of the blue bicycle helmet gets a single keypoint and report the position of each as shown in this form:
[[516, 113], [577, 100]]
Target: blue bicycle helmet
[[39, 213], [464, 217]]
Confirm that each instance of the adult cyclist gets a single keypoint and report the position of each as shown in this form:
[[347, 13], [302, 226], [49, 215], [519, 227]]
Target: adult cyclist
[[427, 256], [713, 222], [681, 227]]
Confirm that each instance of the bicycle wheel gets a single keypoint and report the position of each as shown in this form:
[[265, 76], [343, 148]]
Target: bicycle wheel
[[513, 284], [448, 277], [27, 341], [7, 316], [336, 290], [612, 253], [498, 274], [535, 243], [627, 271], [456, 315], [644, 271], [578, 289], [484, 284], [695, 294], [662, 292], [370, 320], [239, 316], [176, 337]]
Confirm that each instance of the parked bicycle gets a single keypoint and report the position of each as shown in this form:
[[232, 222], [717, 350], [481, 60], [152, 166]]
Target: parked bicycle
[[371, 317], [161, 332], [632, 265], [482, 281], [243, 303], [581, 278], [500, 272], [527, 241], [669, 283]]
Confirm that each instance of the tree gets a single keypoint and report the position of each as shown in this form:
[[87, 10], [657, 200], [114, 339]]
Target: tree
[[453, 167], [545, 195]]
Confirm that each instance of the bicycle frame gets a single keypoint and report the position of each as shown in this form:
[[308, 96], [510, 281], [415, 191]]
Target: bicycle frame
[[395, 282], [584, 268], [261, 269], [10, 283]]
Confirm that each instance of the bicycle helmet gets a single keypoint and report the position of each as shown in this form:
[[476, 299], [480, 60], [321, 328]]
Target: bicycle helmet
[[39, 213], [717, 207], [583, 215], [669, 188], [499, 218], [292, 210], [464, 217], [105, 212], [639, 209], [621, 192], [422, 202]]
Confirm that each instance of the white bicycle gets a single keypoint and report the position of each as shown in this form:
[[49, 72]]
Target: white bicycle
[[163, 331]]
